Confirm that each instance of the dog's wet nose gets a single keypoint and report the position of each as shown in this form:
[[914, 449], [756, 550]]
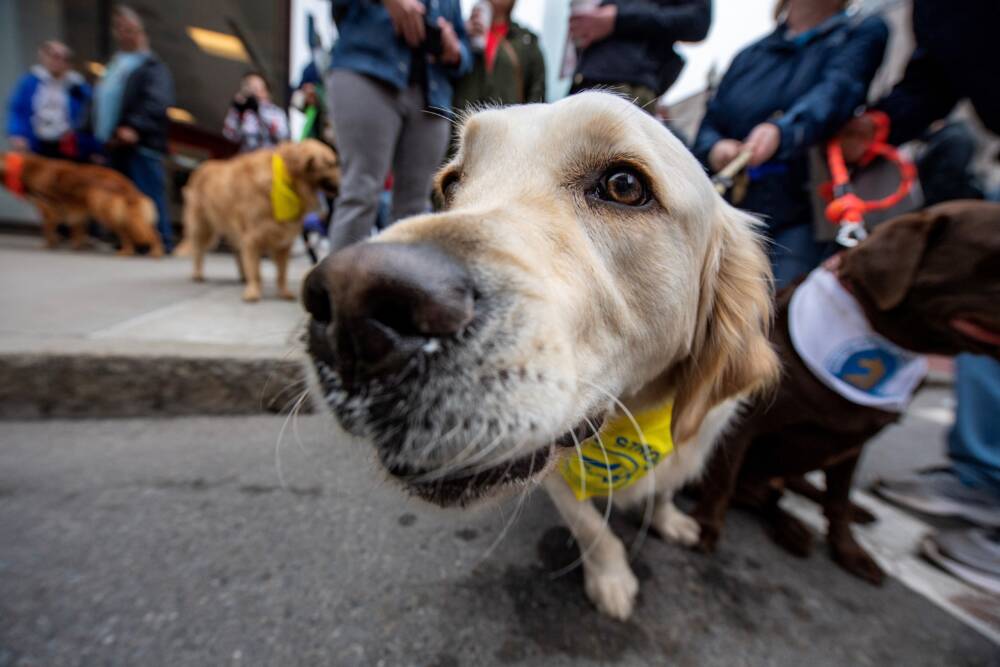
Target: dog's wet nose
[[389, 299]]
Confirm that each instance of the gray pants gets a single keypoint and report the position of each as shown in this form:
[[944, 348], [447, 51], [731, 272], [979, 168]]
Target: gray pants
[[377, 128]]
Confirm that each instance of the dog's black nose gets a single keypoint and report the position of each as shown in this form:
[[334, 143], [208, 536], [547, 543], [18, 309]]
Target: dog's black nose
[[386, 300]]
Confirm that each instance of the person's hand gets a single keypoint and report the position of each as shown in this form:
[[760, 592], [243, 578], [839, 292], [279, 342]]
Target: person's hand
[[407, 18], [475, 27], [451, 48], [309, 92], [856, 137], [723, 152], [126, 135], [18, 144], [592, 25], [763, 142]]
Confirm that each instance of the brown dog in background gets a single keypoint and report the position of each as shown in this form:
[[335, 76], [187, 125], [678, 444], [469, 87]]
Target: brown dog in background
[[930, 283], [73, 194], [232, 199]]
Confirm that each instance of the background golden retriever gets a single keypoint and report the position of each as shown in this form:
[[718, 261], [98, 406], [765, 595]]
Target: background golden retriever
[[74, 194], [583, 267], [232, 199]]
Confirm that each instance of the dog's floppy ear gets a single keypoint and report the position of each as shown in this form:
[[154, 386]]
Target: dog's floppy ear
[[732, 355], [885, 265]]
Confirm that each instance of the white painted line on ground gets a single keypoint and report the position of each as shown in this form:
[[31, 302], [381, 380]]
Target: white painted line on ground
[[944, 416], [894, 541]]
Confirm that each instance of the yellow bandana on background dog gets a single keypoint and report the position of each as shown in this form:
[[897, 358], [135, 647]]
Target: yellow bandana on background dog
[[286, 204], [620, 457]]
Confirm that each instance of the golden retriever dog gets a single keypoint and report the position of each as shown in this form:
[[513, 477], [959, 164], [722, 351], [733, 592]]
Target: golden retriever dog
[[582, 268], [236, 199], [73, 194]]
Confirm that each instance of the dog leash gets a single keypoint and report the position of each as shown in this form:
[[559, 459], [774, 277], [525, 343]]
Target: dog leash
[[725, 179], [845, 207]]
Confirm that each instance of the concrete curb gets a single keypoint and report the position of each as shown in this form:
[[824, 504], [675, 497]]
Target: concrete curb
[[41, 385]]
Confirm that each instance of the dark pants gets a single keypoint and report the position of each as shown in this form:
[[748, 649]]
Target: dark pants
[[145, 169]]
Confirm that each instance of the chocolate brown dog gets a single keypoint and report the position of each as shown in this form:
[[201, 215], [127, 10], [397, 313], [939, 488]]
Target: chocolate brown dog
[[928, 282]]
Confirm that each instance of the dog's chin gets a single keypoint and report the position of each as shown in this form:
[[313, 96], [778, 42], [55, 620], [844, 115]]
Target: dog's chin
[[466, 488]]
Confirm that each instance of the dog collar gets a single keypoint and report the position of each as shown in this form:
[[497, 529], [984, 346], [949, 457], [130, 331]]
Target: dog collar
[[285, 202], [620, 455], [13, 168]]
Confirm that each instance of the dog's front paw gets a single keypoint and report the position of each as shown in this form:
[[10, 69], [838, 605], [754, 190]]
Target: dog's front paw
[[676, 526], [708, 537], [613, 591], [288, 295], [853, 558], [251, 294]]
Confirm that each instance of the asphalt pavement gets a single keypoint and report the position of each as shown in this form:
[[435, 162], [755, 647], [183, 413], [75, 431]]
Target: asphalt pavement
[[261, 541]]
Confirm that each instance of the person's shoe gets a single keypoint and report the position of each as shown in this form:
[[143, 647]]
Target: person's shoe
[[971, 554], [940, 492]]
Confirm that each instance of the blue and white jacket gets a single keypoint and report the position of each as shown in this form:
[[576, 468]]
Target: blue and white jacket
[[45, 109]]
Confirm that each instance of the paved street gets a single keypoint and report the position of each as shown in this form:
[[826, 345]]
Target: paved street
[[172, 542]]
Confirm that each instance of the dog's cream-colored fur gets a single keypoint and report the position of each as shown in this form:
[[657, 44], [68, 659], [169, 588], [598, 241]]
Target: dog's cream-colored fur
[[590, 304]]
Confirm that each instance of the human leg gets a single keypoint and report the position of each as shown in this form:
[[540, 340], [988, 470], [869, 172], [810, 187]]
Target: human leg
[[366, 118]]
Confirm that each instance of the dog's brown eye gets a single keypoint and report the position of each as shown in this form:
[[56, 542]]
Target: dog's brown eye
[[622, 186]]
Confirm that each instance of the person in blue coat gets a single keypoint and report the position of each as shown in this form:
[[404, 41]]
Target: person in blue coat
[[390, 89], [781, 96], [48, 107]]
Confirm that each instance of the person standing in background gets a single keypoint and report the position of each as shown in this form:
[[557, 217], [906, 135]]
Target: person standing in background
[[783, 95], [389, 92], [628, 45], [508, 66], [48, 106], [130, 113], [253, 120]]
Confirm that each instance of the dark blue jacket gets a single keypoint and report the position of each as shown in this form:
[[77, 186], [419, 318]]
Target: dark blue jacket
[[640, 51], [149, 92], [955, 58], [809, 87], [368, 45]]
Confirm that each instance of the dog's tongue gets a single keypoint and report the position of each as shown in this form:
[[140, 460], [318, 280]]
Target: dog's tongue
[[975, 331]]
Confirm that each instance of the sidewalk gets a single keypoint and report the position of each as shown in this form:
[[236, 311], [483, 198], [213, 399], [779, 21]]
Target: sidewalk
[[92, 334]]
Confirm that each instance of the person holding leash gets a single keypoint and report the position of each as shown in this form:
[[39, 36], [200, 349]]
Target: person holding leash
[[781, 96]]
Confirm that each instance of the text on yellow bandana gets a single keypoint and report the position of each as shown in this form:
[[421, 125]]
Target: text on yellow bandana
[[285, 203], [618, 457]]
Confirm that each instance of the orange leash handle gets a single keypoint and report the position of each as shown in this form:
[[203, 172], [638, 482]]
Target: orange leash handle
[[848, 209]]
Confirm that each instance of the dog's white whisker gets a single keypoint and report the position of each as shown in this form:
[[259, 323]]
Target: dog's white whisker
[[650, 479]]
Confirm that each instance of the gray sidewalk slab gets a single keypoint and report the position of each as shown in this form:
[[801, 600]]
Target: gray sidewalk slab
[[172, 542], [117, 326]]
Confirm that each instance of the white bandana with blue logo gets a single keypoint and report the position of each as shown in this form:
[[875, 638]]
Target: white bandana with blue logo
[[832, 335]]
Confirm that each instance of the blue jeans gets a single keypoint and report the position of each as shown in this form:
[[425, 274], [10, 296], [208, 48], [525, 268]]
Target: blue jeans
[[145, 169], [794, 252], [974, 441]]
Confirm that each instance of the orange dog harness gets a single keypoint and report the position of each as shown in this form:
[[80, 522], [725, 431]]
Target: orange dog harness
[[13, 167]]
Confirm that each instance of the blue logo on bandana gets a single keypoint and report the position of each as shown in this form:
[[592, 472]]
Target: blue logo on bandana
[[867, 369]]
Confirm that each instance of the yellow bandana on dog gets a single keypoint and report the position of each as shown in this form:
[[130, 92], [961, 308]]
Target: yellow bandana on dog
[[618, 457], [286, 204]]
